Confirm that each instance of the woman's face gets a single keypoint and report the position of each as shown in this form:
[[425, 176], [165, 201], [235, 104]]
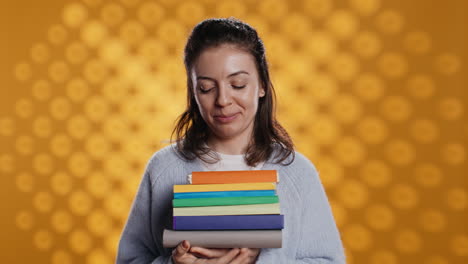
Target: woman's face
[[227, 89]]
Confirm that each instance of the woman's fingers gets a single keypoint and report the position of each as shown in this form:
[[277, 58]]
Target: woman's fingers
[[241, 258], [183, 253], [253, 252], [209, 252], [229, 256], [179, 253]]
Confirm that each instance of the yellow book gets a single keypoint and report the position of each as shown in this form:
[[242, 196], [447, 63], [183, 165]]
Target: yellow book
[[249, 209], [225, 187]]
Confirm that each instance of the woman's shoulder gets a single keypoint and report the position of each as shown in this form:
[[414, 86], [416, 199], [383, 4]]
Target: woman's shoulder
[[303, 173], [301, 161], [166, 157], [301, 166], [295, 160], [297, 168]]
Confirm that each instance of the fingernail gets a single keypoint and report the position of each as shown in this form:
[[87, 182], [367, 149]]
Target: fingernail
[[185, 244]]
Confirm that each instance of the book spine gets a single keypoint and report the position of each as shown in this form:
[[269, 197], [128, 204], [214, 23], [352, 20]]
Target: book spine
[[189, 195], [225, 187], [249, 209], [225, 239], [192, 202], [232, 222], [219, 177]]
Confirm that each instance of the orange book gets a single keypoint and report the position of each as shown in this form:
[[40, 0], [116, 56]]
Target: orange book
[[221, 177]]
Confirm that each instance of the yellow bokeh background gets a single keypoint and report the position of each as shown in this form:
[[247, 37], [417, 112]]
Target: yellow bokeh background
[[372, 91]]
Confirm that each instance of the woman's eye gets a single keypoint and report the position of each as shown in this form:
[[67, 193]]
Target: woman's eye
[[205, 90], [238, 86]]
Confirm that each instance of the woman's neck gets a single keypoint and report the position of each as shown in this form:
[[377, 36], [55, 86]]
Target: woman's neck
[[232, 146]]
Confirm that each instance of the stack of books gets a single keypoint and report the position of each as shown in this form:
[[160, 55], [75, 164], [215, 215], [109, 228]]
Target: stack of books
[[227, 209]]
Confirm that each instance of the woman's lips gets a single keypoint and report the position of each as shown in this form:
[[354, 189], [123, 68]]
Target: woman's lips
[[225, 118]]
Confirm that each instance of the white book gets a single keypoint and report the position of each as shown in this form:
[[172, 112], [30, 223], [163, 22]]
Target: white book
[[248, 209]]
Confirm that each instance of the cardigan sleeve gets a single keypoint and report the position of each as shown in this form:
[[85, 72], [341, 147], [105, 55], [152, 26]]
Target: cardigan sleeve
[[319, 239], [137, 244]]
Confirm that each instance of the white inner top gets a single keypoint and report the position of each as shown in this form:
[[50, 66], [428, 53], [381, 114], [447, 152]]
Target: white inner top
[[229, 162]]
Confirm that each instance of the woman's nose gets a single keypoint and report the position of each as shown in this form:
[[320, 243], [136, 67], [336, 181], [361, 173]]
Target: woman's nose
[[224, 96]]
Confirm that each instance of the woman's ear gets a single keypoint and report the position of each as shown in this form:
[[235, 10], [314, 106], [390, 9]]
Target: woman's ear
[[261, 92]]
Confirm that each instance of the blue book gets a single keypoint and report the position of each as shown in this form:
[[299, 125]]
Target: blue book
[[228, 222], [223, 194]]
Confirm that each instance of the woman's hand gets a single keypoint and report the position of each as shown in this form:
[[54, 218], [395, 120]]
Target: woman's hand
[[210, 253], [252, 253], [183, 254]]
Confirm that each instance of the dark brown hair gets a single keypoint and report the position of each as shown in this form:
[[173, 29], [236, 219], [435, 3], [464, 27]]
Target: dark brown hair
[[192, 132]]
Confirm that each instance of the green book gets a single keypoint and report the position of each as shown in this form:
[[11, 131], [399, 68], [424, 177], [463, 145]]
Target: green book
[[217, 201]]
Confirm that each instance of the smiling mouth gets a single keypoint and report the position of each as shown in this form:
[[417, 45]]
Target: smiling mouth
[[225, 119]]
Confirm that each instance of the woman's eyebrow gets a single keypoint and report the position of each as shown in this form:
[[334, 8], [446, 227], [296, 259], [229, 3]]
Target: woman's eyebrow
[[230, 75], [205, 78], [237, 72]]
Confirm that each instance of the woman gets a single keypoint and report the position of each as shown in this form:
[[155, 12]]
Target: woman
[[229, 124]]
